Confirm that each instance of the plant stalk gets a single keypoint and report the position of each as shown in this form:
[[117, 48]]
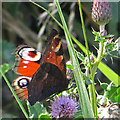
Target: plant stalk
[[95, 66], [92, 92]]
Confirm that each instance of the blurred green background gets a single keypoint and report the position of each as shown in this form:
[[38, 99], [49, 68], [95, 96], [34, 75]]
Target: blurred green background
[[25, 23]]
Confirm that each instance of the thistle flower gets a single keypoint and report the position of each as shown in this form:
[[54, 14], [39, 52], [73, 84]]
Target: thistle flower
[[63, 107], [101, 12]]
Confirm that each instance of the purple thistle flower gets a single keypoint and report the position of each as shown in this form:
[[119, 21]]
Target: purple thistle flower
[[63, 107], [101, 12]]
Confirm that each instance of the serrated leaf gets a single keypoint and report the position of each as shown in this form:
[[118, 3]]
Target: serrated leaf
[[32, 111], [112, 92]]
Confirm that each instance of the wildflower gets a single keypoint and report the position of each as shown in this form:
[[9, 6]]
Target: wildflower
[[101, 12], [63, 107]]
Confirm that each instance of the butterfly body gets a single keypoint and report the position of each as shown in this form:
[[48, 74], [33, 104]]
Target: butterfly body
[[40, 75]]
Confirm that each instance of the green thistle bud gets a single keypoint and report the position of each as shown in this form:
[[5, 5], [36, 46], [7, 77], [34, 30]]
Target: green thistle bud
[[101, 12]]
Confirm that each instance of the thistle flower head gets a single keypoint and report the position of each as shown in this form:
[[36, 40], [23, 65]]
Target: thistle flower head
[[101, 12], [63, 107]]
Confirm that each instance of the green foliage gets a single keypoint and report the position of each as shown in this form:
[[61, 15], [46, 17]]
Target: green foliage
[[111, 92], [80, 56], [110, 73], [37, 111], [112, 49], [83, 95], [87, 79]]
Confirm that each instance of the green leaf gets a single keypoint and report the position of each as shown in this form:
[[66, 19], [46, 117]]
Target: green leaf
[[114, 54], [109, 73], [5, 67], [80, 56], [104, 85], [109, 36], [44, 117], [36, 110], [109, 46], [100, 39], [113, 93]]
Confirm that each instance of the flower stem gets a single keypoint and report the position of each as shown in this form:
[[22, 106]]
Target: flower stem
[[95, 66]]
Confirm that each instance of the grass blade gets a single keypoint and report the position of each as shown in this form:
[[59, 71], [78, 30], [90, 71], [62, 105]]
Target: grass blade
[[83, 95]]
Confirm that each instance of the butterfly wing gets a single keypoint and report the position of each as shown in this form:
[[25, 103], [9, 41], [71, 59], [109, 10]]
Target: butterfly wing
[[26, 64], [50, 77], [54, 52], [49, 82], [27, 60], [20, 85]]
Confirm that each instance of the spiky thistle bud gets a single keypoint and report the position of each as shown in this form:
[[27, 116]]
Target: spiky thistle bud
[[101, 12]]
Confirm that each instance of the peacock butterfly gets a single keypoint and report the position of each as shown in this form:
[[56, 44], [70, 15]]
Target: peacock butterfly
[[40, 75]]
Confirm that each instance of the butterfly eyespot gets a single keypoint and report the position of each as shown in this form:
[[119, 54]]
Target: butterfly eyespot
[[30, 54], [23, 83]]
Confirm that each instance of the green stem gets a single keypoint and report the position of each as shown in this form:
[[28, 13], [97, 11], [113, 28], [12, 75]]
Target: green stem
[[92, 87], [13, 92], [83, 95], [84, 33], [92, 92], [99, 57]]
